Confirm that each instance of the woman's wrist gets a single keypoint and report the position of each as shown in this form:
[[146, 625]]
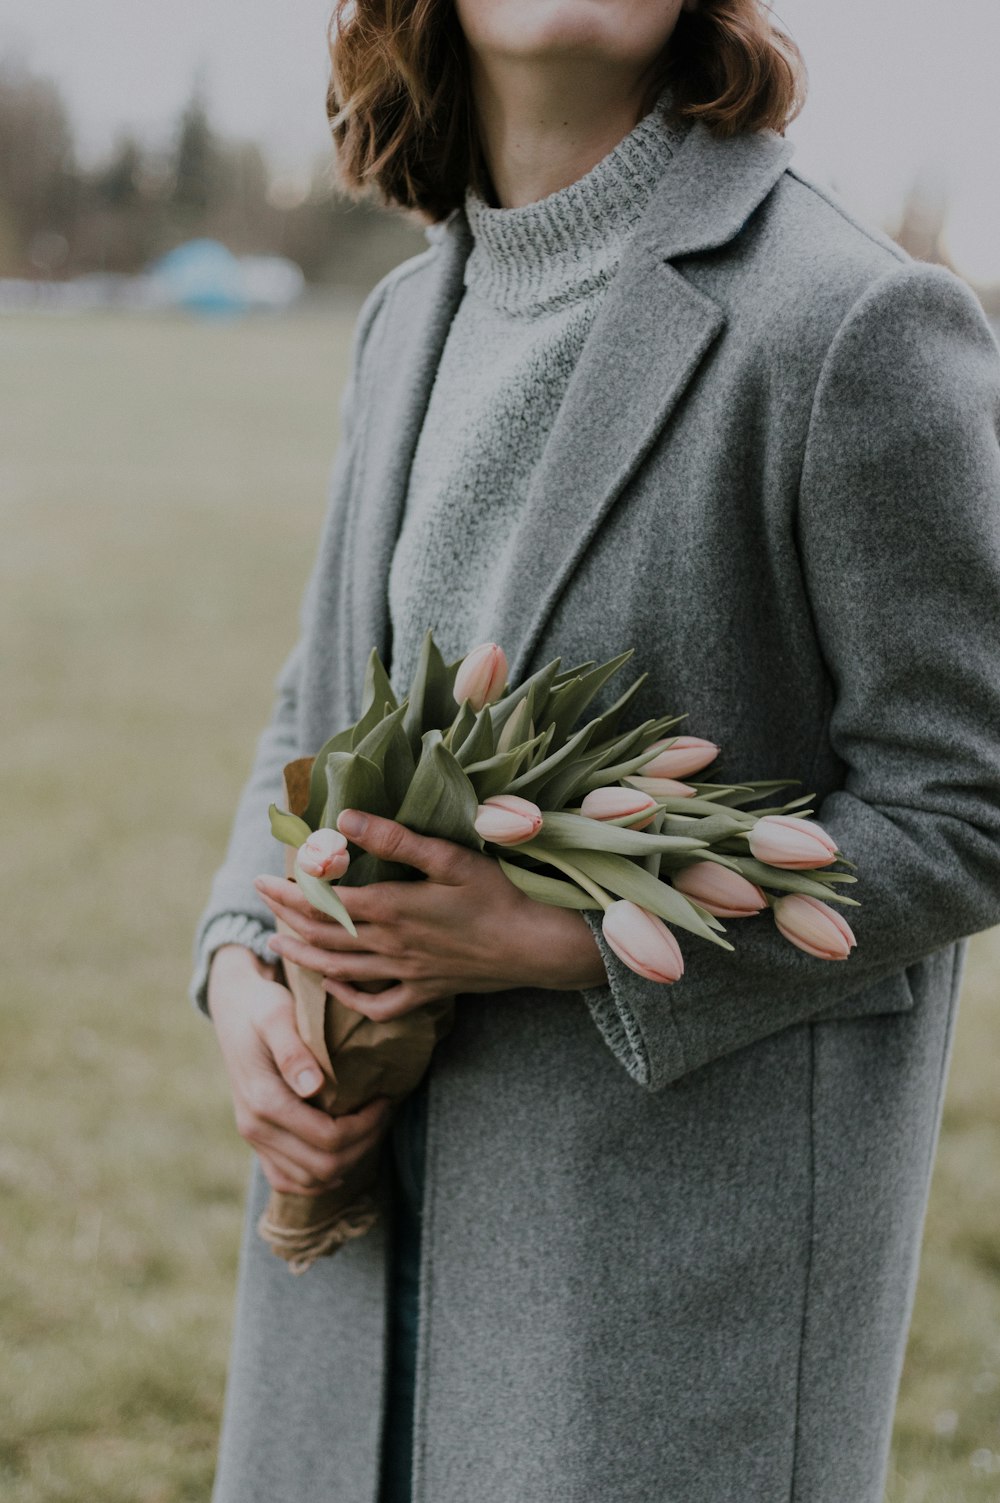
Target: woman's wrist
[[558, 949], [231, 965]]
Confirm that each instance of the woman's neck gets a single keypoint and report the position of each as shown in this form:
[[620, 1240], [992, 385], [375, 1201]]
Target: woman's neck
[[541, 130]]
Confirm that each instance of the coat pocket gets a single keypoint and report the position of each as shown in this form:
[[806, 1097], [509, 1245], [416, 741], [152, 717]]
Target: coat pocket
[[892, 994]]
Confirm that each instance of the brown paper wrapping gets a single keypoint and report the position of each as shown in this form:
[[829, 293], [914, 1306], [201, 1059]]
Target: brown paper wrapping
[[360, 1060]]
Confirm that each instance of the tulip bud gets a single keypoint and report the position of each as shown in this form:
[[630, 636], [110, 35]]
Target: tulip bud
[[482, 676], [506, 819], [618, 803], [814, 927], [680, 757], [783, 840], [642, 941], [723, 892], [324, 855]]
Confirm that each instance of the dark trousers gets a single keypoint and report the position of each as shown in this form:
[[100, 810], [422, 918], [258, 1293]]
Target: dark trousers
[[407, 1162]]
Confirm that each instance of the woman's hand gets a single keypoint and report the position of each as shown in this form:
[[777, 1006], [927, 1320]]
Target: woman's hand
[[464, 929], [302, 1149]]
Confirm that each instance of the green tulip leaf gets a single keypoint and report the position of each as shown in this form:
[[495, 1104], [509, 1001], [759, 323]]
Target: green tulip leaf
[[518, 727], [322, 896], [440, 800], [387, 746], [450, 675], [609, 770], [783, 880], [288, 828], [606, 724], [710, 827], [341, 742], [575, 832], [461, 726], [543, 889], [567, 702], [564, 676], [430, 704], [629, 880], [748, 793], [530, 783], [377, 689], [651, 863], [690, 806], [353, 782], [494, 775], [537, 686], [375, 743], [544, 743], [479, 744]]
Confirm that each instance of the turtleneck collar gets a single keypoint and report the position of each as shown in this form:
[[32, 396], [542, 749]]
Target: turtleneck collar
[[551, 252]]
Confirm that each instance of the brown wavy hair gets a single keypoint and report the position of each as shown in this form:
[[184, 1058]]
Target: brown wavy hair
[[400, 103]]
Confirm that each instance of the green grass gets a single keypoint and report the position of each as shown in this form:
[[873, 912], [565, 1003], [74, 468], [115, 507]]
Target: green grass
[[161, 488]]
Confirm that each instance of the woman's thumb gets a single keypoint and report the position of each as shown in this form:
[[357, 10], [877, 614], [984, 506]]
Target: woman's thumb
[[297, 1066]]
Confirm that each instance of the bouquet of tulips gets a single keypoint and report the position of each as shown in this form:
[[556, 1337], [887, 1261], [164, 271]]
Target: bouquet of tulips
[[585, 816]]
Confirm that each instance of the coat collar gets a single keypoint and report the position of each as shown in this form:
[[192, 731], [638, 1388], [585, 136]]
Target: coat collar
[[619, 398]]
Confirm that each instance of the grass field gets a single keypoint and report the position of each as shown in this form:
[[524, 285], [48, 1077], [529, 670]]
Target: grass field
[[161, 486]]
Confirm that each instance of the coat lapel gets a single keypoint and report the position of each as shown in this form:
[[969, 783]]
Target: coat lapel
[[414, 336], [651, 334], [648, 340]]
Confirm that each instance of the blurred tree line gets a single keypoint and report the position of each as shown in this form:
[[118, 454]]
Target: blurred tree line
[[61, 219]]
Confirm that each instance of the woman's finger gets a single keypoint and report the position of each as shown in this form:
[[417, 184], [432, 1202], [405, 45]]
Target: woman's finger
[[348, 966], [371, 1119], [266, 1098], [296, 1064], [309, 1168], [283, 890], [316, 1165], [441, 860], [325, 932], [280, 1177], [394, 1002], [304, 1179], [382, 905]]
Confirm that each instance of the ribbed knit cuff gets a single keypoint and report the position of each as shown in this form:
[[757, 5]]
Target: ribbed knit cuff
[[617, 1023], [227, 929]]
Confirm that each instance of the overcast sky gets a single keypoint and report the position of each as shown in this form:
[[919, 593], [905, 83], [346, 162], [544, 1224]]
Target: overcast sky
[[898, 87]]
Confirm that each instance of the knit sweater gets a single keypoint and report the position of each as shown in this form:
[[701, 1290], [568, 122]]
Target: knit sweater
[[534, 280]]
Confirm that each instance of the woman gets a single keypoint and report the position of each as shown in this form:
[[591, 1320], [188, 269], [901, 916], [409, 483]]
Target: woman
[[647, 386]]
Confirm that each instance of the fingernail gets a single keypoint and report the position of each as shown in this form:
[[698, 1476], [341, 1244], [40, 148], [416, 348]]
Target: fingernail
[[274, 943], [308, 1081], [351, 822]]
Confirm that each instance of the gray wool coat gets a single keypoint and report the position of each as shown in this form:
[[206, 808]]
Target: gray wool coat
[[671, 1234]]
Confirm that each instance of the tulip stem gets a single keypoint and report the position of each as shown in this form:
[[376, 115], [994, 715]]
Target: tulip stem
[[574, 872]]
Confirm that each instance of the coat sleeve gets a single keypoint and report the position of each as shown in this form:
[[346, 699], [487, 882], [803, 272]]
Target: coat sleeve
[[899, 539], [234, 913]]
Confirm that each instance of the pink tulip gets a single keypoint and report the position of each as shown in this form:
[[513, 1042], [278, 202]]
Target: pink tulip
[[618, 803], [680, 757], [723, 892], [506, 819], [482, 677], [783, 840], [643, 941], [324, 855], [814, 927]]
